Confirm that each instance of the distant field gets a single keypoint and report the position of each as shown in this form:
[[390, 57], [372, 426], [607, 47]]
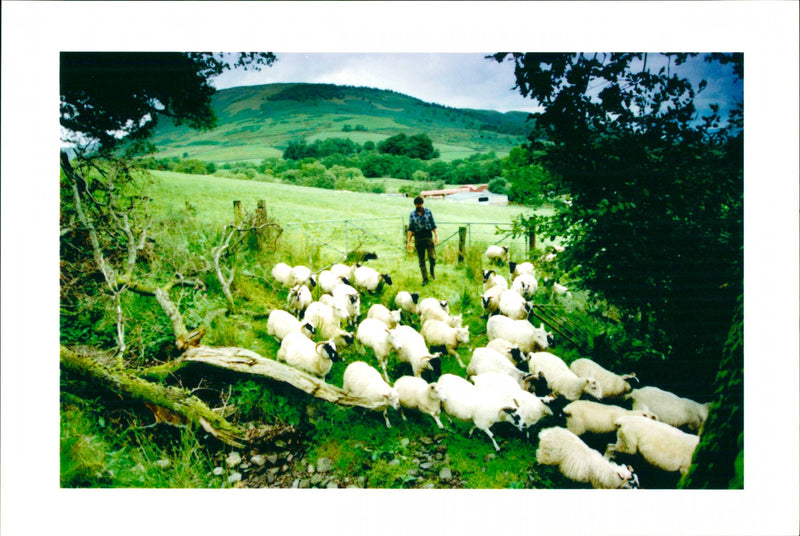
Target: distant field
[[344, 218]]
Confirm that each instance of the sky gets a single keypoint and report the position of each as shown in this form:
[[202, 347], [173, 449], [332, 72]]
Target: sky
[[458, 80]]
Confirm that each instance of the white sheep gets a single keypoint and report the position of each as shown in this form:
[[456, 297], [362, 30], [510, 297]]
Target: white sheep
[[580, 463], [438, 333], [435, 313], [587, 416], [498, 254], [660, 444], [303, 353], [302, 275], [327, 319], [487, 360], [466, 402], [342, 271], [561, 289], [348, 299], [531, 409], [411, 348], [380, 312], [521, 332], [431, 304], [560, 379], [525, 285], [327, 280], [613, 385], [281, 272], [509, 349], [490, 299], [407, 301], [280, 323], [373, 334], [670, 408], [369, 279], [416, 393], [517, 269], [492, 279], [513, 305], [298, 299], [362, 381]]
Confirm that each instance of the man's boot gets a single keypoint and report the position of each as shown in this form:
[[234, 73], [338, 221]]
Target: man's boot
[[424, 273], [433, 263]]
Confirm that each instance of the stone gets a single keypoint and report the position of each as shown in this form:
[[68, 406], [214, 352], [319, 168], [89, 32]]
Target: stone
[[258, 460], [304, 483], [310, 468], [404, 442], [218, 471], [323, 465], [332, 485], [163, 463], [234, 477], [425, 465], [425, 440], [489, 457], [272, 459], [280, 444], [445, 474], [233, 459], [317, 479]]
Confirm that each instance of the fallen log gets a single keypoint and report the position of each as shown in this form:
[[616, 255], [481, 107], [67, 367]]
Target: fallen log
[[170, 404], [248, 362]]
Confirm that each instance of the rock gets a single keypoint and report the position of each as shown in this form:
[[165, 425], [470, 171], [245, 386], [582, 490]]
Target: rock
[[218, 471], [323, 465], [438, 455], [272, 459], [163, 463], [428, 485], [258, 460], [317, 479], [425, 465], [445, 474], [425, 440], [295, 483], [361, 481], [395, 461], [404, 442], [281, 444], [310, 469], [332, 485], [284, 468], [304, 484], [234, 477], [489, 457], [233, 459]]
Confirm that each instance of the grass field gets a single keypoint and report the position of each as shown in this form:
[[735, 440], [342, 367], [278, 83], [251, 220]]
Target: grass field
[[375, 221]]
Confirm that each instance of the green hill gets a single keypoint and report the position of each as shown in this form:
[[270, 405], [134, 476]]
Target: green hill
[[255, 122]]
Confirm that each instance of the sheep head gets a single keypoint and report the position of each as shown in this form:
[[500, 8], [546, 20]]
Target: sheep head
[[592, 387]]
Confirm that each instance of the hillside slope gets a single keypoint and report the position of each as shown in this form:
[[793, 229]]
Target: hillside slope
[[255, 122]]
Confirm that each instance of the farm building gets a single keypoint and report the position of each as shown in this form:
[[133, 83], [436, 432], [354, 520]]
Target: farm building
[[441, 194], [483, 198]]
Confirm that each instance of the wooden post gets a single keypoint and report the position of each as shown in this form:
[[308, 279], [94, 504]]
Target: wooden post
[[237, 212], [531, 240], [405, 236], [261, 218], [462, 242]]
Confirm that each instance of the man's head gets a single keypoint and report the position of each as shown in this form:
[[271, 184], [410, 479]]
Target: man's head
[[418, 201]]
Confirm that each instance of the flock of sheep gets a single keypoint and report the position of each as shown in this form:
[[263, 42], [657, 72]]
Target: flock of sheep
[[501, 380]]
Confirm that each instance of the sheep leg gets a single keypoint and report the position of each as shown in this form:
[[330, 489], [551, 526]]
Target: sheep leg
[[403, 415], [491, 436], [458, 357], [611, 449], [386, 418], [438, 422]]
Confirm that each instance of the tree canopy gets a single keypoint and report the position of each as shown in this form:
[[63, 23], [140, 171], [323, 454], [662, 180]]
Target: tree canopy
[[108, 96], [654, 188]]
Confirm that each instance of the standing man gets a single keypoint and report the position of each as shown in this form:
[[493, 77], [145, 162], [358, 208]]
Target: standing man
[[422, 227]]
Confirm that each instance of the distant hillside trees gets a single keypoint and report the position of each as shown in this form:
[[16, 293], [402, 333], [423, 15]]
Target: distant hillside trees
[[299, 149], [417, 146]]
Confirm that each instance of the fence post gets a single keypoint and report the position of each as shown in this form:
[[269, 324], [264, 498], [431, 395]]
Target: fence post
[[531, 240], [462, 240], [405, 235], [261, 218], [237, 212]]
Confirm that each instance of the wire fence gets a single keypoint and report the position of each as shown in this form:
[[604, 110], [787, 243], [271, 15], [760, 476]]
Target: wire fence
[[387, 236]]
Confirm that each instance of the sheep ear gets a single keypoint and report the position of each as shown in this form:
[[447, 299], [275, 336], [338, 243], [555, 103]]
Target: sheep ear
[[515, 402]]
